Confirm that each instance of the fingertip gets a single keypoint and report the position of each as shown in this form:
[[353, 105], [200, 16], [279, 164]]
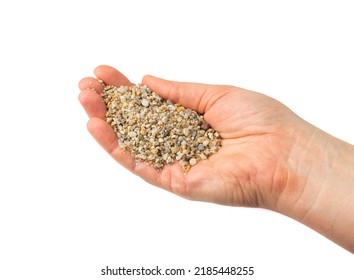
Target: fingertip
[[80, 84], [84, 96], [90, 83], [147, 78], [111, 76], [92, 103], [102, 68]]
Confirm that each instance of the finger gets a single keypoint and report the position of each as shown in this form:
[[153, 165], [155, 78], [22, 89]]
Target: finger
[[111, 76], [92, 83], [199, 97], [93, 104]]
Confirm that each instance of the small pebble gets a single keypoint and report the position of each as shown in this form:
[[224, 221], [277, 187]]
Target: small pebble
[[202, 156], [205, 126], [206, 143], [132, 134], [201, 147], [145, 102], [192, 161]]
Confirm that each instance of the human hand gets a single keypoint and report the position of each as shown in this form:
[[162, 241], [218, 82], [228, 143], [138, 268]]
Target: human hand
[[251, 168], [269, 158]]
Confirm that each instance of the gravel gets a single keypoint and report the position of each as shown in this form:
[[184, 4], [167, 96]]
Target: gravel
[[157, 131]]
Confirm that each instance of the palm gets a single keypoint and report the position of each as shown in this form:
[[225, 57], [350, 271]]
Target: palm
[[254, 145]]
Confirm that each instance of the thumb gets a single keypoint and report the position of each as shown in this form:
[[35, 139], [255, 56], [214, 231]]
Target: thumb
[[198, 97]]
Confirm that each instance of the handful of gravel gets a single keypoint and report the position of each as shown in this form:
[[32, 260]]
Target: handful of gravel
[[158, 131]]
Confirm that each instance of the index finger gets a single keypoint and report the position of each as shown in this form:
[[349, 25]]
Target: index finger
[[198, 97]]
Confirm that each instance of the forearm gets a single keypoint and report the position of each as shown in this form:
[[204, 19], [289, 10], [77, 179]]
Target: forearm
[[324, 199]]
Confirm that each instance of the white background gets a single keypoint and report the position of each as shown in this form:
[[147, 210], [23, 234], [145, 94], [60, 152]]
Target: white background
[[67, 209]]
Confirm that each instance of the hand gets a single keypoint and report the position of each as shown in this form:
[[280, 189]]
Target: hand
[[251, 168], [269, 158]]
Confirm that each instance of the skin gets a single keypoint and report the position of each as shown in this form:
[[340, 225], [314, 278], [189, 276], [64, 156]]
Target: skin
[[270, 157]]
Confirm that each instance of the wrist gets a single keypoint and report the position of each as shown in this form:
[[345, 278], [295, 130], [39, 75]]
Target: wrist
[[322, 194]]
